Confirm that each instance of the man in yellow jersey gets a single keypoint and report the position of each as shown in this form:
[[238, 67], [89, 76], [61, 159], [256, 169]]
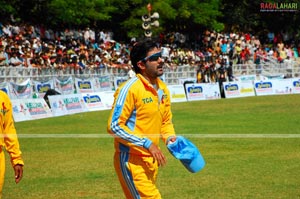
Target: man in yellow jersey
[[9, 141], [140, 116]]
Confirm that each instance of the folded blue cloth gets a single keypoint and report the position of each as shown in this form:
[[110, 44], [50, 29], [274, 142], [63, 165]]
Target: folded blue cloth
[[189, 155]]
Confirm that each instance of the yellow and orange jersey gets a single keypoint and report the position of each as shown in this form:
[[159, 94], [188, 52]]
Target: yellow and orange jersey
[[8, 136], [140, 116]]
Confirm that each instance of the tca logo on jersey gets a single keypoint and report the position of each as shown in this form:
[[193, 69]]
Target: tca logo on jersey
[[147, 100]]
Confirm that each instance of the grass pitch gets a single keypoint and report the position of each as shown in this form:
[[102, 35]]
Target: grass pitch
[[251, 147]]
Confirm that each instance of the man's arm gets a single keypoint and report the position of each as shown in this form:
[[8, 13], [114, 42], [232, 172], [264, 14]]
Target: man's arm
[[15, 62], [10, 136], [119, 120]]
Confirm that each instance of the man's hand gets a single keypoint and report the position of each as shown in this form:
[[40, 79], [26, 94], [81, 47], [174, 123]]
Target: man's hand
[[157, 155], [171, 139], [18, 172]]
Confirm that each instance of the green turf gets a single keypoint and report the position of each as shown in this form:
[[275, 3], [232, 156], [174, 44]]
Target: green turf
[[236, 167]]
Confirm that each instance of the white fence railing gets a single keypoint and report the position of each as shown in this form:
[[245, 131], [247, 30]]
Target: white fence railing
[[172, 76], [268, 69]]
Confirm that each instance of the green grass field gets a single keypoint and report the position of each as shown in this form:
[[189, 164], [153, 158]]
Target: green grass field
[[251, 147]]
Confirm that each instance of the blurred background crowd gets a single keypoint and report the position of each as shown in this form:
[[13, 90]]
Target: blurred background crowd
[[31, 46]]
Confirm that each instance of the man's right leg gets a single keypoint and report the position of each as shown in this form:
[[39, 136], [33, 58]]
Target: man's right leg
[[137, 176]]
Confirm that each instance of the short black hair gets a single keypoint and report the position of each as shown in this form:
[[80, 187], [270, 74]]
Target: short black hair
[[140, 50]]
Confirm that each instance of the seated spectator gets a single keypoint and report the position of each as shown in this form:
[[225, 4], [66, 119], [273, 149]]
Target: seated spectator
[[15, 59], [59, 62], [27, 60], [82, 63], [2, 56]]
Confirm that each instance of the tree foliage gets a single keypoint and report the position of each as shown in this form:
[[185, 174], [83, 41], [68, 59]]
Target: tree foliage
[[80, 12], [246, 15]]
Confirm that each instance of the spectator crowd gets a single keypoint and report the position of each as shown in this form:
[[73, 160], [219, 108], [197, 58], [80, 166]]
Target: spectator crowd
[[33, 46]]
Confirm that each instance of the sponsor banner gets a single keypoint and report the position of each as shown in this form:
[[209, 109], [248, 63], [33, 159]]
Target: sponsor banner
[[67, 104], [274, 87], [107, 98], [102, 83], [202, 91], [238, 89], [295, 85], [30, 109], [265, 87], [65, 86], [282, 86], [119, 80], [177, 93], [20, 110], [57, 105], [42, 87], [93, 101], [84, 85], [21, 90], [4, 86]]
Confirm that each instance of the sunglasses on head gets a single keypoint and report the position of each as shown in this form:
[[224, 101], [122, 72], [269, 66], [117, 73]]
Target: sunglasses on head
[[153, 57]]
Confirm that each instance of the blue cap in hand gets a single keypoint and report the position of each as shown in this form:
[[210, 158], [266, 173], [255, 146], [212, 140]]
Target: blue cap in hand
[[189, 155]]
